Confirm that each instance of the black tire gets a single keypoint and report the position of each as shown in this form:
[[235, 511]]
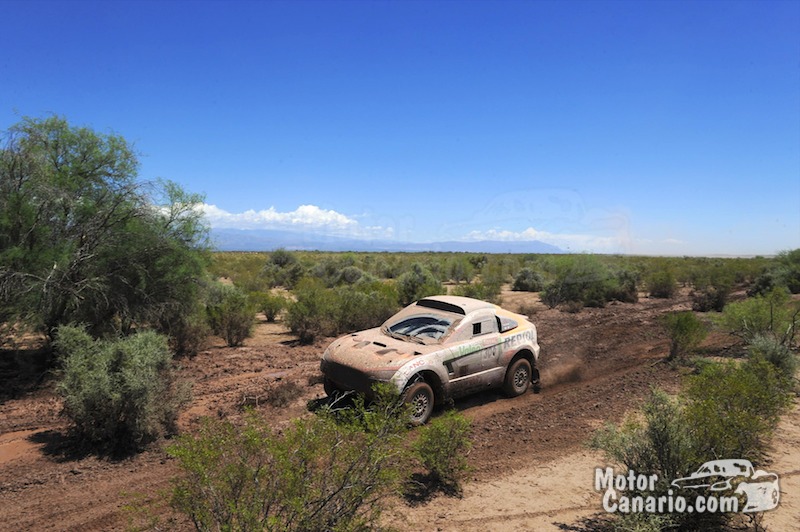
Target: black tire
[[330, 387], [420, 396], [518, 378], [536, 384]]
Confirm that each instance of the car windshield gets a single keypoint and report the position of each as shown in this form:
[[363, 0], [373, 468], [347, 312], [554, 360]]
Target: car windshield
[[420, 327]]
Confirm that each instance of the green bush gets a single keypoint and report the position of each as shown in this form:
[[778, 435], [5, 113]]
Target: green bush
[[270, 304], [119, 394], [661, 284], [783, 272], [84, 240], [685, 331], [660, 442], [283, 269], [776, 353], [416, 284], [585, 280], [332, 471], [230, 314], [734, 408], [460, 270], [442, 448], [188, 333], [479, 290], [363, 306], [528, 280], [320, 311], [769, 315], [313, 312]]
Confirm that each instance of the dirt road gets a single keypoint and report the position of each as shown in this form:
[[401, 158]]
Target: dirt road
[[531, 468]]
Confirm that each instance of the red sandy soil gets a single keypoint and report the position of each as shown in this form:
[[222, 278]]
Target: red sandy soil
[[531, 468]]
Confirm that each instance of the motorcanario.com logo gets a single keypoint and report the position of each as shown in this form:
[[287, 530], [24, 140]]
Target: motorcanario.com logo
[[718, 486]]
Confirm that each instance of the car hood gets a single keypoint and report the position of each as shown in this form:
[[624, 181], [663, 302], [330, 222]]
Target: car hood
[[373, 350]]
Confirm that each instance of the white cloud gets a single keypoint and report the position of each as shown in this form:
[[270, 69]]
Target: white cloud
[[304, 218]]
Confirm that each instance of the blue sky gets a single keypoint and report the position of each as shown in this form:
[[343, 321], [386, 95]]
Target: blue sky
[[636, 127]]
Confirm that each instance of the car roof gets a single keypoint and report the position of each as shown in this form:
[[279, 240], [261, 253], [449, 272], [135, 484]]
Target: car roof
[[458, 304]]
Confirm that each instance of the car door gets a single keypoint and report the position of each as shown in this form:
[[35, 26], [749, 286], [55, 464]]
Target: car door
[[475, 361]]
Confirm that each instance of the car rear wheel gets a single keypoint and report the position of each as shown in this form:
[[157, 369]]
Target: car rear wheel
[[518, 378], [420, 397], [330, 387]]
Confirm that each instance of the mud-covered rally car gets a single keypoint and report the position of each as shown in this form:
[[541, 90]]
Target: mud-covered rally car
[[437, 348]]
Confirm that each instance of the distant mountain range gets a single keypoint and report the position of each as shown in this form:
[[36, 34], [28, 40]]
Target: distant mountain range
[[269, 240]]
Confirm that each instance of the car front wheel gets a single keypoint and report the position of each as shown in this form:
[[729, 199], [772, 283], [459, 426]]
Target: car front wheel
[[420, 398], [518, 378]]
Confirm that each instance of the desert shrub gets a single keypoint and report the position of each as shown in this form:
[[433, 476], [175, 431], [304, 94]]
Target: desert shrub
[[625, 287], [270, 304], [320, 311], [188, 333], [710, 298], [460, 270], [661, 283], [685, 331], [789, 264], [283, 269], [784, 272], [417, 283], [230, 314], [363, 305], [776, 353], [332, 471], [528, 280], [120, 393], [712, 284], [312, 313], [733, 409], [659, 442], [769, 315], [479, 290], [581, 279], [442, 447]]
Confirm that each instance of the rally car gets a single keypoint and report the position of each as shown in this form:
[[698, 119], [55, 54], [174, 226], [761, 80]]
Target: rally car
[[438, 348]]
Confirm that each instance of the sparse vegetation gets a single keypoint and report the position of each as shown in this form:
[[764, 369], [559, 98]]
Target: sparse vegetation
[[332, 471], [119, 394], [417, 283], [442, 448], [231, 315], [686, 332], [528, 280]]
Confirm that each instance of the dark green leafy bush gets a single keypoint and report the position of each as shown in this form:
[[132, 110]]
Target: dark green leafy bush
[[320, 311], [660, 442], [231, 315], [479, 290], [270, 304], [734, 408], [283, 269], [528, 280], [585, 281], [776, 353], [772, 315], [661, 284], [119, 394], [686, 332], [417, 283], [442, 448], [332, 471]]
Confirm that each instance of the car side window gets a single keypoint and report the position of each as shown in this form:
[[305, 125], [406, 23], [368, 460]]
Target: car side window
[[484, 327]]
